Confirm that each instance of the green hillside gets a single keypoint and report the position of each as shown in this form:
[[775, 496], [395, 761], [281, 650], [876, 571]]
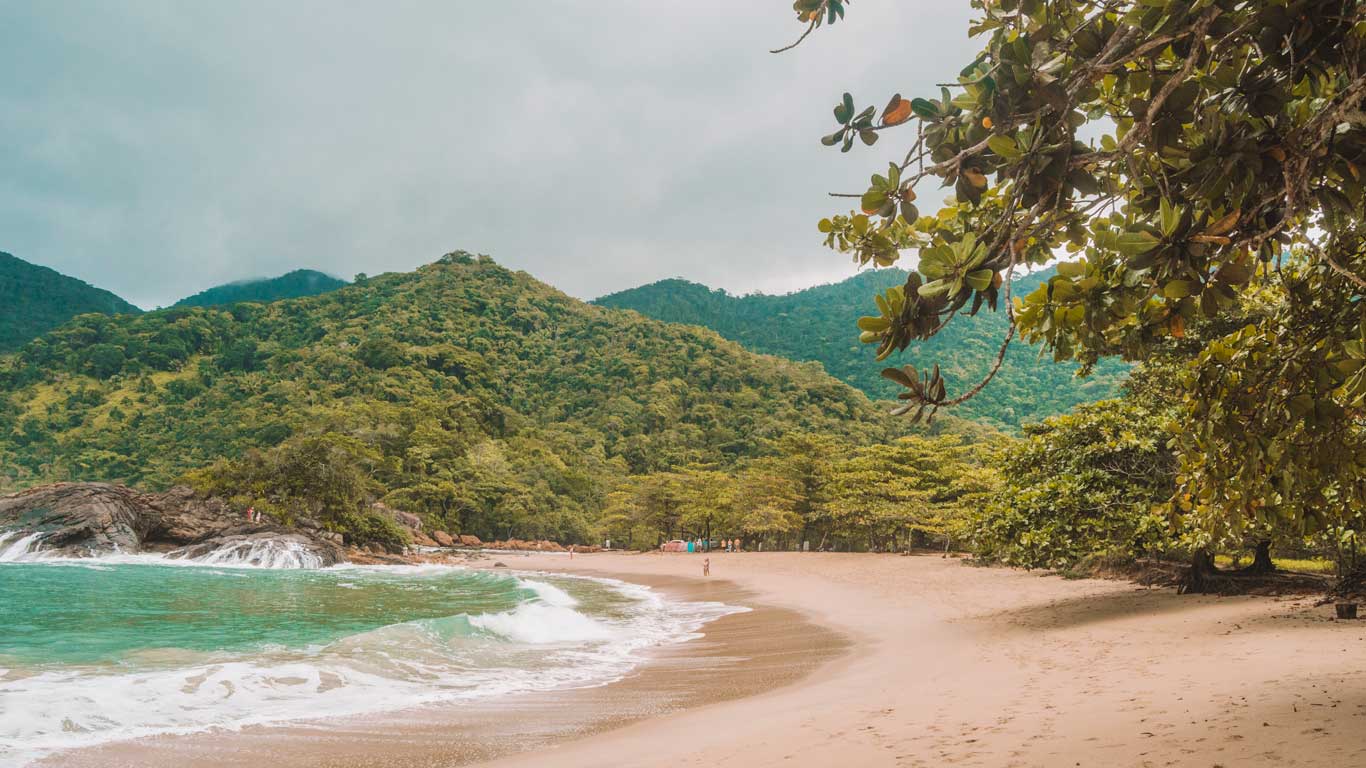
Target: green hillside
[[291, 285], [462, 388], [34, 300], [817, 324]]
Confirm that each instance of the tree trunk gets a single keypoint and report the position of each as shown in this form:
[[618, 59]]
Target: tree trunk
[[1261, 561], [1202, 568]]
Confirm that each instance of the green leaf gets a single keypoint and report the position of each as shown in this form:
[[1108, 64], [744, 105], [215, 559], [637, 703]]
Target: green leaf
[[921, 107], [1178, 289], [1136, 242], [1171, 218], [935, 262], [845, 110], [934, 288], [909, 212], [1072, 268], [1004, 146], [980, 280], [872, 201]]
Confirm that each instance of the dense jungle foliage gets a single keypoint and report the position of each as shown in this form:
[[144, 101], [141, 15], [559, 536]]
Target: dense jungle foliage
[[291, 285], [34, 300], [473, 395], [813, 325]]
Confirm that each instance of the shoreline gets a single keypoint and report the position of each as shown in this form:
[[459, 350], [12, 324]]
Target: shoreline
[[737, 655], [937, 663]]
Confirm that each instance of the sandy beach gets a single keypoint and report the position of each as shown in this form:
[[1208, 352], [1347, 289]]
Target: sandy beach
[[882, 660]]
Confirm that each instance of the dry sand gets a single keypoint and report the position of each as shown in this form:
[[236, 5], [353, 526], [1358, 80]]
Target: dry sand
[[956, 665], [880, 660]]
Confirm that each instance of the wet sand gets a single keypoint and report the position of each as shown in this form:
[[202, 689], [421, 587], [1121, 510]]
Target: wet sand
[[880, 660]]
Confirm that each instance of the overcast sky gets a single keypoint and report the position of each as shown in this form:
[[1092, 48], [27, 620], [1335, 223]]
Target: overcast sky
[[158, 148]]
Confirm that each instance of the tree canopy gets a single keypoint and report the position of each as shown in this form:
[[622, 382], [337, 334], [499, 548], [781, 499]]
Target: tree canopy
[[1189, 157]]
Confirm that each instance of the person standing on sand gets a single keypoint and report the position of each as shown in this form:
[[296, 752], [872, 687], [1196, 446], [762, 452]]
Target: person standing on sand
[[251, 514], [706, 567], [571, 551]]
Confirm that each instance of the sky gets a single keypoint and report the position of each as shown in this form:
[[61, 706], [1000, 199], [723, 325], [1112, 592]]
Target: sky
[[159, 148]]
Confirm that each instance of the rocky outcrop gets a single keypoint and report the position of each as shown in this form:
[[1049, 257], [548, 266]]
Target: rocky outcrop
[[467, 540], [180, 516], [269, 546], [406, 519], [443, 539], [519, 545], [92, 519], [79, 519]]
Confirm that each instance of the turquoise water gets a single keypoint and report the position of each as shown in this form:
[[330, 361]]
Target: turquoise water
[[94, 651], [103, 613]]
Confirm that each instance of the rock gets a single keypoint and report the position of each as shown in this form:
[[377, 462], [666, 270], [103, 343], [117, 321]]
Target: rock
[[407, 520], [500, 565], [423, 540], [273, 547], [467, 540], [444, 539], [90, 519], [78, 519], [179, 516]]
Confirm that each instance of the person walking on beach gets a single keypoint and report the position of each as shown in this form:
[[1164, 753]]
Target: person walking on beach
[[251, 514], [571, 551], [706, 567]]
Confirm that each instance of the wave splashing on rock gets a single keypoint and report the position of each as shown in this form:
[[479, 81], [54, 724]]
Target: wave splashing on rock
[[280, 552], [18, 545]]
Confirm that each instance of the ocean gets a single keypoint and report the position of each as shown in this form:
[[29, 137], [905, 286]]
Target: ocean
[[100, 650]]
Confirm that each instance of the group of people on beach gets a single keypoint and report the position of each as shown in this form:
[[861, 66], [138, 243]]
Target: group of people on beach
[[705, 545]]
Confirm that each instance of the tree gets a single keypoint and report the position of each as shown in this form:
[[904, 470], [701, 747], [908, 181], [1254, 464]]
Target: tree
[[909, 490], [1089, 482], [1228, 132]]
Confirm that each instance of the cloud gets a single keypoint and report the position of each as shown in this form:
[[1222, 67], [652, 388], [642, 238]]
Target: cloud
[[158, 148]]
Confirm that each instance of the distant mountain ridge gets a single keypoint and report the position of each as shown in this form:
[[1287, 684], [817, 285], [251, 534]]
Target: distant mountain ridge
[[35, 299], [291, 285], [817, 324]]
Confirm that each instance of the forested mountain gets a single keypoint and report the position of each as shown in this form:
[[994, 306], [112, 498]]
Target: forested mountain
[[291, 285], [463, 390], [817, 324], [34, 300]]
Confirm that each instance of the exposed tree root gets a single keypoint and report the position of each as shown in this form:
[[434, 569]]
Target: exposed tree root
[[1260, 578], [1201, 577]]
